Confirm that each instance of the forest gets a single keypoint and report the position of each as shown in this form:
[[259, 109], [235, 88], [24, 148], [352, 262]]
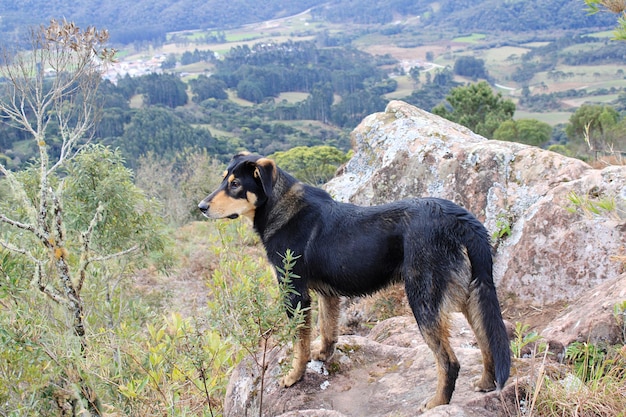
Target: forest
[[148, 20], [339, 86]]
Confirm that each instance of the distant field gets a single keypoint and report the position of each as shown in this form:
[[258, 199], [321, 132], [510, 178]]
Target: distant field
[[411, 49], [603, 99], [232, 96], [292, 97], [603, 34], [551, 118], [504, 53], [215, 132], [136, 101], [473, 38], [405, 88], [310, 127]]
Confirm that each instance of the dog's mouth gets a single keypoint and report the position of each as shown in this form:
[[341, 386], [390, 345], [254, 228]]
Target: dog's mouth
[[232, 216]]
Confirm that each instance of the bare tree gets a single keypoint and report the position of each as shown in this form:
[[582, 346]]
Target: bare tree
[[49, 91]]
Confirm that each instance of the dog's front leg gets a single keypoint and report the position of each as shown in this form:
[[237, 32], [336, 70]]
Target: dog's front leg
[[329, 308], [301, 352]]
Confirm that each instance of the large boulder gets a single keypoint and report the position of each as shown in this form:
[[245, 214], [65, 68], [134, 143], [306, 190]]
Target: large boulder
[[551, 249]]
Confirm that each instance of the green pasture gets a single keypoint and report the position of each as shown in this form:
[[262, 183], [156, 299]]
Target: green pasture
[[292, 97], [504, 54], [196, 67], [216, 133], [371, 39], [473, 38], [537, 44], [136, 101], [603, 34], [232, 96], [588, 77], [311, 127], [405, 88], [551, 118], [22, 146], [588, 71], [580, 47], [600, 99]]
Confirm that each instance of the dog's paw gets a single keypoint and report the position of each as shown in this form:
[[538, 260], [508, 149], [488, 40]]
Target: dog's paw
[[325, 353], [291, 378], [482, 384], [430, 403]]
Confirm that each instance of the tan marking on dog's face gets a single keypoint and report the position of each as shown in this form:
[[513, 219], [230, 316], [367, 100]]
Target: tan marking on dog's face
[[223, 205]]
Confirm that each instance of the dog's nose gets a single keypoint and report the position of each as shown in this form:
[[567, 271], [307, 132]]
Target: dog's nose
[[203, 206]]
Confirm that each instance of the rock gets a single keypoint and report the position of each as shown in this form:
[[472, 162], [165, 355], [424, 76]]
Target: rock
[[389, 372], [591, 318], [551, 251]]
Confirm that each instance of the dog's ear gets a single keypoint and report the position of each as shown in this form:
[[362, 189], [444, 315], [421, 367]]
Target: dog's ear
[[267, 172]]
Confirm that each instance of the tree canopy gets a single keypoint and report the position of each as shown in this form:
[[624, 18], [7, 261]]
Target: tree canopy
[[528, 131], [314, 165], [477, 107]]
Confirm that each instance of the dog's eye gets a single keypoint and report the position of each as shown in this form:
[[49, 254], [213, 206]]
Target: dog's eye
[[234, 184]]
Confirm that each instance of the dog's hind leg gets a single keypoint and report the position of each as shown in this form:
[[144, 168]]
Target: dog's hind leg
[[483, 314], [475, 320], [437, 338], [429, 298], [329, 309], [301, 352]]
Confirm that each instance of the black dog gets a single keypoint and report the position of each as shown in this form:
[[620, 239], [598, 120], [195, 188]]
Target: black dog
[[440, 251]]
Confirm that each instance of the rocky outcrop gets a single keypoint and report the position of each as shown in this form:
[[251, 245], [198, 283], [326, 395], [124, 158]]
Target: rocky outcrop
[[389, 372], [553, 247], [550, 251]]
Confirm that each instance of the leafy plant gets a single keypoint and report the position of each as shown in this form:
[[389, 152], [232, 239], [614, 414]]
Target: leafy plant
[[619, 312], [588, 360], [503, 227], [183, 368], [593, 207], [614, 6], [248, 305], [596, 385], [522, 338]]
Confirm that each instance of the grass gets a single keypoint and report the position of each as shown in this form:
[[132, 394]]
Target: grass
[[232, 96], [216, 132], [551, 118], [564, 391], [473, 38], [405, 88], [504, 53], [292, 97]]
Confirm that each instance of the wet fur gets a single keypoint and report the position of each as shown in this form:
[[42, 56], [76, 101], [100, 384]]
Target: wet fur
[[439, 250]]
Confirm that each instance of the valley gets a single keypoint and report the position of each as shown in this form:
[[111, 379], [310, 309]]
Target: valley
[[503, 54]]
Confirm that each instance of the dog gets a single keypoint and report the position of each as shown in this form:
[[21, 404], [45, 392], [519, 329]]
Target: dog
[[439, 250]]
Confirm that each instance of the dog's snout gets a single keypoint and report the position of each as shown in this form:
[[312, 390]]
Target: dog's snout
[[203, 206]]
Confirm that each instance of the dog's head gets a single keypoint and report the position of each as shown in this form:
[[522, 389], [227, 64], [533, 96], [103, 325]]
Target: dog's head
[[247, 183]]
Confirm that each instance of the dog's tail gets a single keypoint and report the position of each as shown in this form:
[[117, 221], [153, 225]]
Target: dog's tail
[[483, 290]]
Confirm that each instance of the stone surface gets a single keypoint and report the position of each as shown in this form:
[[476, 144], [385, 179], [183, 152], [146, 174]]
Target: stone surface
[[389, 372], [591, 318], [553, 252]]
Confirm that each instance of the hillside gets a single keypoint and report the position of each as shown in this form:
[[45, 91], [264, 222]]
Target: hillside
[[151, 20]]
